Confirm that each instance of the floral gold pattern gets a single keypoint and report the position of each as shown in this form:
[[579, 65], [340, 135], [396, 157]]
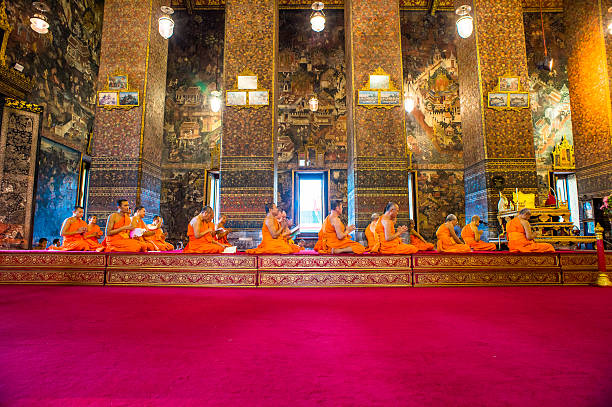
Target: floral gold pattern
[[334, 279], [487, 278]]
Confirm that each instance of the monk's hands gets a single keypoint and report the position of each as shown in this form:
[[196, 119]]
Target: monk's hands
[[402, 229], [129, 227], [350, 229], [82, 229]]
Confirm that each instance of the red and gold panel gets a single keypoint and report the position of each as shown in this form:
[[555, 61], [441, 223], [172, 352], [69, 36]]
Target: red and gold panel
[[580, 268], [24, 267]]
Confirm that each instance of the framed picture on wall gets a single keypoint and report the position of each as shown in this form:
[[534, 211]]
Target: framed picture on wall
[[367, 97], [379, 82], [498, 99], [259, 98], [108, 98], [117, 82], [389, 97], [519, 99], [129, 99], [509, 83], [247, 81]]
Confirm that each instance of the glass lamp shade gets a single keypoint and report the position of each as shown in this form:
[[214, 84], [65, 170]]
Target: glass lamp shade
[[409, 105], [610, 28], [465, 26], [317, 21], [313, 104], [215, 101], [39, 24], [166, 26]]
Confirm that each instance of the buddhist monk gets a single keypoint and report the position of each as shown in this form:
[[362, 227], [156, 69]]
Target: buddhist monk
[[221, 232], [73, 231], [42, 244], [287, 224], [520, 235], [417, 240], [390, 240], [118, 227], [372, 236], [333, 237], [140, 231], [159, 237], [447, 238], [272, 241], [94, 233], [471, 236], [201, 232]]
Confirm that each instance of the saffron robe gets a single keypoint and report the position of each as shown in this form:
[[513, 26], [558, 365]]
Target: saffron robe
[[203, 244], [420, 244], [146, 240], [328, 240], [222, 239], [93, 240], [372, 236], [160, 241], [395, 246], [446, 243], [74, 242], [121, 242], [270, 245], [517, 240], [469, 237]]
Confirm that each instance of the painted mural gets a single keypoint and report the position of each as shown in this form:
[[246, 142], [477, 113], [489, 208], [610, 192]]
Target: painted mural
[[550, 100], [433, 128], [192, 131], [64, 64], [57, 186]]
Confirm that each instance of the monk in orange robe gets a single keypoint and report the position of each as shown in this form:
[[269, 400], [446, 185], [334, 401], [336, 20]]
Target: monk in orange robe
[[286, 224], [447, 238], [94, 233], [520, 235], [273, 241], [118, 227], [333, 237], [221, 232], [417, 240], [201, 232], [372, 236], [390, 240], [140, 231], [159, 237], [73, 231], [471, 236]]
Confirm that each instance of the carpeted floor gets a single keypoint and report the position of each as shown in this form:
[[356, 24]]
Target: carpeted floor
[[115, 346]]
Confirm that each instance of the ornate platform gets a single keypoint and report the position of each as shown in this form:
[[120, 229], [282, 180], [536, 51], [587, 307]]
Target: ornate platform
[[580, 268]]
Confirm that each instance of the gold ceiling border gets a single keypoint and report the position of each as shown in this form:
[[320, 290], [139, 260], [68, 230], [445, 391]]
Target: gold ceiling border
[[365, 95], [23, 105]]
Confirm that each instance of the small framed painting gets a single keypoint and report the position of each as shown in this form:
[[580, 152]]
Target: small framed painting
[[117, 82], [130, 98], [519, 100], [235, 98], [498, 99], [509, 83], [259, 98], [367, 97], [389, 97], [247, 82], [379, 82], [108, 98]]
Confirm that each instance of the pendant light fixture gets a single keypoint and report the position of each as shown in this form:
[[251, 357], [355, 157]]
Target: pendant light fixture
[[215, 101], [39, 21], [465, 22], [313, 104], [166, 23], [317, 18]]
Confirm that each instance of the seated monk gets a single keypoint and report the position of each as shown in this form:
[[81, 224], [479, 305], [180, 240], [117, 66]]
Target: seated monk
[[333, 238], [221, 232], [159, 237], [372, 236], [94, 233], [201, 232], [140, 231], [118, 227], [417, 240], [447, 238], [73, 231], [390, 240], [272, 241], [520, 235], [286, 224], [471, 236]]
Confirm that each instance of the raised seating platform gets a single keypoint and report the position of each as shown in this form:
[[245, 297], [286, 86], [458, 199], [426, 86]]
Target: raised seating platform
[[301, 270]]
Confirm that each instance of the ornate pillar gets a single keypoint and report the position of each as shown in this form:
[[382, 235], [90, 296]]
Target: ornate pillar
[[498, 145], [127, 143], [590, 72], [378, 160], [247, 145]]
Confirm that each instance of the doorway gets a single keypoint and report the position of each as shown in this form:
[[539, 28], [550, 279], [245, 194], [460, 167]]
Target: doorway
[[310, 200]]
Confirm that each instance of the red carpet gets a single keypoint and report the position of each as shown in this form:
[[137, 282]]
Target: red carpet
[[116, 346]]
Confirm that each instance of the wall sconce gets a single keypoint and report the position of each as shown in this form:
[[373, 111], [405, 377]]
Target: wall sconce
[[215, 101], [39, 21], [610, 21], [166, 23], [409, 104], [313, 104], [465, 22], [317, 18]]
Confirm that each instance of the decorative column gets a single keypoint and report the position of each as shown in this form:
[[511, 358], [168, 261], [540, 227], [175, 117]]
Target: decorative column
[[590, 72], [498, 145], [378, 160], [127, 143], [247, 145]]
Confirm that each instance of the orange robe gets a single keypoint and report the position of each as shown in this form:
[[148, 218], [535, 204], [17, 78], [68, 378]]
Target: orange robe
[[328, 240], [446, 243], [469, 237], [93, 240], [372, 236], [395, 246], [517, 239], [203, 244], [223, 239], [74, 242], [146, 240], [269, 245], [159, 241], [121, 242], [420, 244]]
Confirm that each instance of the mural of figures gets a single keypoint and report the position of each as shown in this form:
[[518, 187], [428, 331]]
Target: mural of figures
[[57, 186], [550, 100], [433, 128], [192, 131], [64, 64]]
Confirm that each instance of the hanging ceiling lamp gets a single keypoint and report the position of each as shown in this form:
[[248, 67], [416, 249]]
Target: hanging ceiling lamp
[[215, 101], [409, 104], [317, 18], [313, 104], [610, 23], [166, 23], [39, 21], [547, 63], [465, 22]]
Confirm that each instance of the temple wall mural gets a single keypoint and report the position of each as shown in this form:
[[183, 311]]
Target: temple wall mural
[[63, 63], [311, 63], [433, 128], [550, 99], [191, 129]]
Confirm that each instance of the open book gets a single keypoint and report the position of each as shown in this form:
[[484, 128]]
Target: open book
[[294, 230]]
